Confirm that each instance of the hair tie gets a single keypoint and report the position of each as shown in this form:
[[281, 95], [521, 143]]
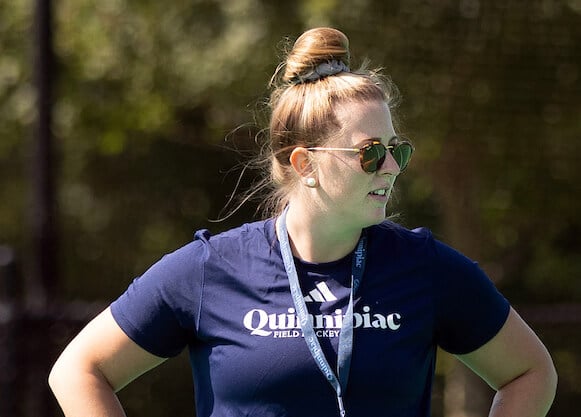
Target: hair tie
[[322, 70]]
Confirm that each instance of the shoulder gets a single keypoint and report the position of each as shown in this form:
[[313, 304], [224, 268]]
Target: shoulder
[[259, 231], [236, 248], [400, 241], [420, 248], [388, 230], [191, 258]]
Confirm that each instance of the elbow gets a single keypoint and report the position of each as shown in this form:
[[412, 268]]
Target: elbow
[[64, 374], [547, 375], [547, 380], [552, 379], [56, 377], [538, 383], [543, 382]]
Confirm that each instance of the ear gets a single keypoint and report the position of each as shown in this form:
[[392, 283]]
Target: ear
[[300, 160]]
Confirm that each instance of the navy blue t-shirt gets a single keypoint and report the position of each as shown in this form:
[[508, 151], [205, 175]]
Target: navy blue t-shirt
[[227, 299]]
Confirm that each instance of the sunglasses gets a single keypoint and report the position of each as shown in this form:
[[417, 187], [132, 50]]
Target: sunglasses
[[372, 154]]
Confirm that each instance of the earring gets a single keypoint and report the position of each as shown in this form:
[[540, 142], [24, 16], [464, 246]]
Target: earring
[[311, 182]]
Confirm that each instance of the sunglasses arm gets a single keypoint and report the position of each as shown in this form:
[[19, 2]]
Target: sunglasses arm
[[334, 149]]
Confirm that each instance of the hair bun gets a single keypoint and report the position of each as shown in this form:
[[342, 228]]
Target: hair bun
[[317, 53]]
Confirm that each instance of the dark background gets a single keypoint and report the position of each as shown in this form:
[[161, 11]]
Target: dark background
[[146, 114]]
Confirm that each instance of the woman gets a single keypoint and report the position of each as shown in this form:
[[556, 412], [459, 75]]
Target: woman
[[325, 308]]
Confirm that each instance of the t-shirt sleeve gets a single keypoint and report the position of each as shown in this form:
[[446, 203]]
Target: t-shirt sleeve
[[469, 309], [160, 309]]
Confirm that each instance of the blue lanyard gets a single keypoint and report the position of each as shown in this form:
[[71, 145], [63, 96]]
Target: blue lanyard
[[339, 381]]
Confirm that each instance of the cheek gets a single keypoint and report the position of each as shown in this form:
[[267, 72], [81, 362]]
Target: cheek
[[345, 183], [340, 167], [342, 177]]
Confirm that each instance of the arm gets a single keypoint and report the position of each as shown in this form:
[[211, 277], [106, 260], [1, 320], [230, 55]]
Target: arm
[[100, 361], [517, 365]]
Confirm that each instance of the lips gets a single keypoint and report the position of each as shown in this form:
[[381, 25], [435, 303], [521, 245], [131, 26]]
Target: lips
[[381, 191]]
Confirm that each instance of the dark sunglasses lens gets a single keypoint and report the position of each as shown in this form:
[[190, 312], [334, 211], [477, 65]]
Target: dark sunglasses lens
[[402, 154], [372, 157]]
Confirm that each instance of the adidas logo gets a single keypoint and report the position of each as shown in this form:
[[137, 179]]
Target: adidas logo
[[320, 294]]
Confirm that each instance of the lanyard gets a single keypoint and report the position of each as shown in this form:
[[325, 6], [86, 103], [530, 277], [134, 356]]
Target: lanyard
[[339, 381]]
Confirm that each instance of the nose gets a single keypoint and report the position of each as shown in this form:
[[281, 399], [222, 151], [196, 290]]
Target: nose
[[389, 166]]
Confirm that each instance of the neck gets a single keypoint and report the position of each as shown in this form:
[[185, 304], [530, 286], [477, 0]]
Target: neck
[[317, 237]]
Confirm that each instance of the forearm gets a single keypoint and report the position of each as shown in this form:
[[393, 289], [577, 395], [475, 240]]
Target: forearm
[[85, 394], [529, 395]]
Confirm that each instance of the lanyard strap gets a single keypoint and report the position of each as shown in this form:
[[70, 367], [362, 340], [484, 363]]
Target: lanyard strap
[[339, 381]]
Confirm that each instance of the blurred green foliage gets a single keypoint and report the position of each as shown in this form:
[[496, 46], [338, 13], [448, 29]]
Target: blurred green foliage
[[149, 96]]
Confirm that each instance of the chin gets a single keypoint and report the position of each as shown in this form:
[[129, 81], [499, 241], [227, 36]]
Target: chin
[[375, 216]]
